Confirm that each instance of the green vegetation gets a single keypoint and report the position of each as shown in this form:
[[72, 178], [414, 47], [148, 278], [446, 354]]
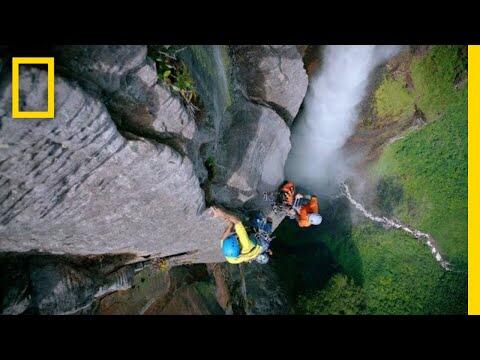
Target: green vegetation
[[340, 297], [431, 165], [174, 74], [392, 99], [433, 78], [429, 168], [422, 180], [210, 166], [389, 194], [400, 276]]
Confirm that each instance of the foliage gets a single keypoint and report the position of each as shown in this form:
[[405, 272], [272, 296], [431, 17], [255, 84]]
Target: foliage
[[393, 99], [389, 194], [402, 277], [210, 166], [432, 166], [174, 74], [161, 264], [435, 78], [340, 297]]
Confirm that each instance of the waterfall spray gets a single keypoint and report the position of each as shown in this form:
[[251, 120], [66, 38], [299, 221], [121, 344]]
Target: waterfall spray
[[330, 114]]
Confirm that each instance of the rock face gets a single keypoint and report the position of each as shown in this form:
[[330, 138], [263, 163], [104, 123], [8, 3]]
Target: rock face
[[55, 285], [274, 75], [251, 93], [181, 290], [74, 185], [253, 289], [254, 150], [120, 169], [128, 80]]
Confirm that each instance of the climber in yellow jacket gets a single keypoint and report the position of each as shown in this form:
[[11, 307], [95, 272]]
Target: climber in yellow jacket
[[237, 245]]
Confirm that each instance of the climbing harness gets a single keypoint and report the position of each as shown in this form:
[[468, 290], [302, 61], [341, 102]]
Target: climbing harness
[[262, 228], [278, 208]]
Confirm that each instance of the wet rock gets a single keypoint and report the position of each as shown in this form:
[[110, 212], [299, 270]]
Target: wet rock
[[182, 290], [273, 74], [255, 290], [222, 293], [60, 289], [147, 287], [15, 292], [195, 299], [246, 140], [34, 284], [254, 153]]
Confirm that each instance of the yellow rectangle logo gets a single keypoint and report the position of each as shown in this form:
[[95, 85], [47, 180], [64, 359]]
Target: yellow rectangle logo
[[473, 176], [50, 112]]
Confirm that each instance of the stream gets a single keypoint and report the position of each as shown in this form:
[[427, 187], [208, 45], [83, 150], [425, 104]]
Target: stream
[[390, 223]]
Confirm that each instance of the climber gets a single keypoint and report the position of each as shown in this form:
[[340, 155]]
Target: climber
[[303, 208], [306, 210], [287, 193], [237, 245]]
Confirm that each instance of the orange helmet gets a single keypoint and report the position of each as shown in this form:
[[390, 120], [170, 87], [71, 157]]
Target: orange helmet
[[287, 192]]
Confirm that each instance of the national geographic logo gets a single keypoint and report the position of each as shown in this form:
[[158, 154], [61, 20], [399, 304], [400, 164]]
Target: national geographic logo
[[37, 114]]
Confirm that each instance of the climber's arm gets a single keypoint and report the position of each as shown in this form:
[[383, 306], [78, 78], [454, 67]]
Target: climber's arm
[[217, 212], [228, 230]]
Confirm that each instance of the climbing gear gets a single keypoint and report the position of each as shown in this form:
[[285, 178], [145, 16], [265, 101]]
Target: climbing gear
[[262, 258], [258, 221], [301, 201], [262, 227], [231, 246], [315, 219], [277, 207], [281, 200]]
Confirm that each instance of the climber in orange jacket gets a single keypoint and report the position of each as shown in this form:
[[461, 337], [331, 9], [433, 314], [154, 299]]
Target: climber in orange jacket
[[303, 208], [306, 208]]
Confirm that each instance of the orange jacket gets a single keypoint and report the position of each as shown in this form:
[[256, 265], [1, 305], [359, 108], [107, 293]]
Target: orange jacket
[[305, 210]]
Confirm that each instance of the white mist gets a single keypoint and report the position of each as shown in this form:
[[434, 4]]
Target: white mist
[[330, 114]]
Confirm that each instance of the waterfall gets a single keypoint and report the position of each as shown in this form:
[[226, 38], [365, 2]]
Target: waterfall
[[330, 115]]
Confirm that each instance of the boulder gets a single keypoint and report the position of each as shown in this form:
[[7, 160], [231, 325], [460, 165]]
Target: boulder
[[273, 75], [253, 153]]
